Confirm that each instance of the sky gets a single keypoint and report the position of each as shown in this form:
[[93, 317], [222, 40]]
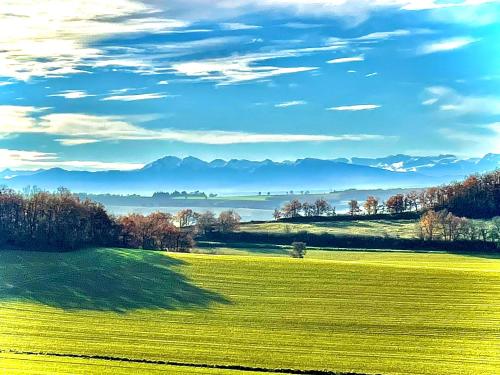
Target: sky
[[87, 84]]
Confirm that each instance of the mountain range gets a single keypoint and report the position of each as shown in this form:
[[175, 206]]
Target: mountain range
[[172, 173]]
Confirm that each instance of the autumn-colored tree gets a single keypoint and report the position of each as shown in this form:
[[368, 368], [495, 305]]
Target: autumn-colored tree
[[228, 221], [205, 222], [322, 207], [292, 209], [396, 204], [371, 205]]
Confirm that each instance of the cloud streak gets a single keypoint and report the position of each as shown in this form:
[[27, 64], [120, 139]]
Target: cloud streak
[[32, 160], [355, 108], [74, 129], [452, 102], [292, 103], [344, 60], [135, 97], [445, 45]]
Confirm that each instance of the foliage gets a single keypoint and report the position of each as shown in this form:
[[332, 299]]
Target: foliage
[[476, 197], [295, 209], [443, 225], [298, 250], [60, 220]]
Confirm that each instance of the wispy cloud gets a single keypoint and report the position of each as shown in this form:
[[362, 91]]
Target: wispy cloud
[[135, 97], [353, 12], [357, 107], [476, 138], [450, 101], [301, 25], [32, 160], [50, 38], [77, 129], [292, 103], [371, 74], [385, 34], [73, 94], [344, 60], [445, 45], [234, 26]]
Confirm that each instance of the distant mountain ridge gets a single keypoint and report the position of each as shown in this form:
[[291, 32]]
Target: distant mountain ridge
[[190, 173]]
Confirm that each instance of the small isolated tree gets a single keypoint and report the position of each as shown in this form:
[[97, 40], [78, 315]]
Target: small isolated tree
[[298, 250], [354, 207]]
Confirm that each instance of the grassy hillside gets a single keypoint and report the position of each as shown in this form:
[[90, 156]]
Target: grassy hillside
[[388, 313], [392, 228]]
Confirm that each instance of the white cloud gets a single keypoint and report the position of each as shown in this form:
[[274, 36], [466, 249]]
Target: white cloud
[[445, 45], [16, 119], [135, 97], [76, 142], [430, 101], [6, 83], [436, 4], [73, 94], [236, 69], [351, 11], [32, 160], [234, 26], [371, 74], [75, 129], [301, 25], [385, 35], [358, 107], [290, 104], [449, 100], [476, 139], [162, 83], [51, 37], [347, 60]]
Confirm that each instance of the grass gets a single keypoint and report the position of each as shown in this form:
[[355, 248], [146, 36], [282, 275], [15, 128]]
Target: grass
[[387, 313], [379, 228]]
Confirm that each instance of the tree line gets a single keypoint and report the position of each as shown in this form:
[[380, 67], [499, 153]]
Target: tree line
[[443, 225], [476, 197], [62, 221]]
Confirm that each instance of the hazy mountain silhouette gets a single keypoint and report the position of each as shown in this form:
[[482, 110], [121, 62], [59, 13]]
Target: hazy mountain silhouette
[[171, 173]]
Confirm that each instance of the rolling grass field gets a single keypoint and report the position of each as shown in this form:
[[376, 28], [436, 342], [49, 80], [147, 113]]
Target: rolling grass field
[[379, 228], [367, 312]]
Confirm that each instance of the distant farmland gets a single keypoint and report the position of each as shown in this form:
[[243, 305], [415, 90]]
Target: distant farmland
[[370, 313]]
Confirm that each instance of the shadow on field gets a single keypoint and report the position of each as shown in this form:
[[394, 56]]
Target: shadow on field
[[101, 279]]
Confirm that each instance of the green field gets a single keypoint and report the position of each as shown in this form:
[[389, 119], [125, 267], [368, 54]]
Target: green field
[[379, 228], [368, 312]]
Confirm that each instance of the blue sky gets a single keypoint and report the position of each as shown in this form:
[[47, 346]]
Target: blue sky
[[92, 85]]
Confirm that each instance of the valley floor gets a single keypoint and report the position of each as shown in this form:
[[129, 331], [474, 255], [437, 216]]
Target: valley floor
[[365, 312]]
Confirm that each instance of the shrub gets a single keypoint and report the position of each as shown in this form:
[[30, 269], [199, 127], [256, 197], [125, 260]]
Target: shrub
[[298, 250]]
